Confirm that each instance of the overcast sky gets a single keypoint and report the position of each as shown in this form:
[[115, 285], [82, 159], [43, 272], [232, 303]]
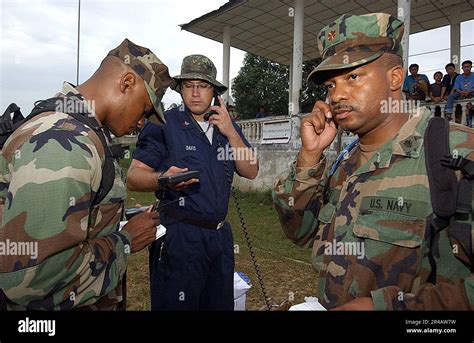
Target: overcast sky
[[38, 40]]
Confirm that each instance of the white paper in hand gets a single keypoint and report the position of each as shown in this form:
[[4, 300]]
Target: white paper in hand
[[160, 229], [310, 304]]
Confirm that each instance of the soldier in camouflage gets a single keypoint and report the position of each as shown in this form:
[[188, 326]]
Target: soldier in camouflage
[[51, 168], [367, 218]]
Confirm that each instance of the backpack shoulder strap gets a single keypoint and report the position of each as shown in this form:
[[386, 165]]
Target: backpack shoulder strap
[[448, 195], [108, 169], [442, 181]]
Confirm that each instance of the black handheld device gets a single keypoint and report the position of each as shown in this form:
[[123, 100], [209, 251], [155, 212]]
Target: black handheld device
[[179, 177], [216, 103]]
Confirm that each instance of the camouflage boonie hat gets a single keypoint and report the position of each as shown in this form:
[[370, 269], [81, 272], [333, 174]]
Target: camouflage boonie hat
[[199, 67], [353, 40], [153, 72]]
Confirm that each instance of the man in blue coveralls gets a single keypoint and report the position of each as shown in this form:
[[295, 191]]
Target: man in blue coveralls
[[192, 266]]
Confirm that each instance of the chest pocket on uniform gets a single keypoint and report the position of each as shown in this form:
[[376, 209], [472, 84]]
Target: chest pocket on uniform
[[187, 155], [399, 222], [326, 213]]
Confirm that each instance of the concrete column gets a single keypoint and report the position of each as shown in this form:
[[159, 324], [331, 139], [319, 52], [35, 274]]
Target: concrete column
[[78, 40], [403, 13], [290, 82], [297, 74], [226, 64], [455, 33]]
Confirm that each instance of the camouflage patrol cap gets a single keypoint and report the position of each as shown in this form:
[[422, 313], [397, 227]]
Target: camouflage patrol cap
[[199, 67], [153, 72], [353, 40]]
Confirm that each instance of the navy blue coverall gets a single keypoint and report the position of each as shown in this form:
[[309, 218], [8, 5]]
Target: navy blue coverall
[[191, 267]]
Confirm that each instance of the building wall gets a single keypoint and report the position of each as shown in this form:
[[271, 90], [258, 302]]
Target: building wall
[[275, 159]]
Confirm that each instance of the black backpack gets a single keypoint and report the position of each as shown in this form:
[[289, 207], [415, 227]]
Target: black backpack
[[449, 197], [8, 125]]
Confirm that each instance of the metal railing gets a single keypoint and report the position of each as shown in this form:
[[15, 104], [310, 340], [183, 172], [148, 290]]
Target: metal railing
[[442, 105], [252, 128]]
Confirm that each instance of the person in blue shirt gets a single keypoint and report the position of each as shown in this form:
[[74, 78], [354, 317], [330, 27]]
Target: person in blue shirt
[[416, 86], [463, 86], [262, 113], [192, 266]]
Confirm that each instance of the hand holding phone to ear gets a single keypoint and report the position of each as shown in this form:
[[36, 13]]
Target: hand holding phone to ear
[[318, 130], [222, 120], [210, 112]]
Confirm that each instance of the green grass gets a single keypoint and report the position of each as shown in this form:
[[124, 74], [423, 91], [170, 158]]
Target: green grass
[[262, 220], [144, 199]]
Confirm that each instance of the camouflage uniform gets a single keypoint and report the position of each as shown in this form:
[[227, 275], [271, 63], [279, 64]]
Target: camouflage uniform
[[383, 206], [50, 168]]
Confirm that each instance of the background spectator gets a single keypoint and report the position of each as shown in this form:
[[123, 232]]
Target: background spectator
[[262, 113], [435, 92], [463, 86], [416, 85], [435, 88], [231, 110], [448, 80]]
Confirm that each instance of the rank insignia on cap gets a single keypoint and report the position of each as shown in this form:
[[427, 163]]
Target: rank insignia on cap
[[332, 35]]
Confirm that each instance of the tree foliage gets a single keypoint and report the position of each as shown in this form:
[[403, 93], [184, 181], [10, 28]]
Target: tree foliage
[[261, 82], [310, 93]]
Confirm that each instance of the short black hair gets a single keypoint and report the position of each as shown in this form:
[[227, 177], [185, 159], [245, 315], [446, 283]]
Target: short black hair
[[389, 60], [467, 61], [413, 65], [438, 72], [449, 65]]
